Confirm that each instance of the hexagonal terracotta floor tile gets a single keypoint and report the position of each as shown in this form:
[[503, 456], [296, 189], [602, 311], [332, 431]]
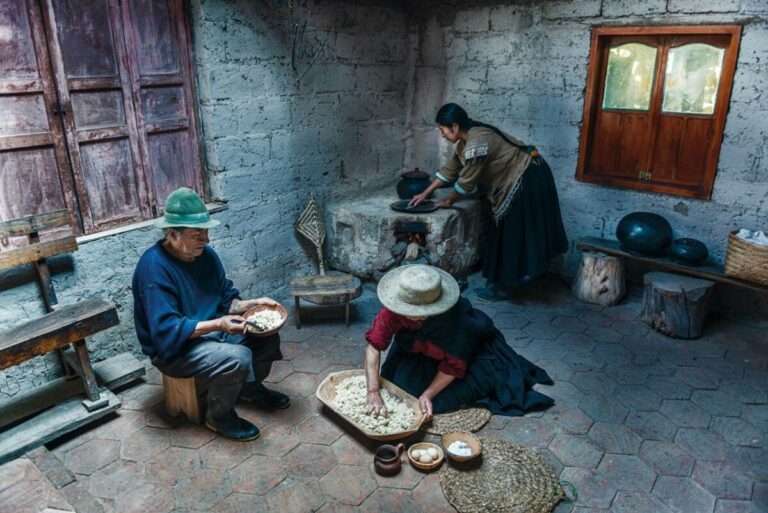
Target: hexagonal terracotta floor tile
[[310, 461], [276, 440], [429, 495], [295, 495], [92, 455], [319, 429], [191, 436], [151, 497], [115, 479], [172, 465], [406, 479], [257, 475], [224, 453], [203, 489], [348, 484], [240, 503], [145, 443], [391, 499], [300, 384], [352, 450]]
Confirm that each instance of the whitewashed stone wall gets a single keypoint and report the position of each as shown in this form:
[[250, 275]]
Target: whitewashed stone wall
[[522, 66], [269, 141]]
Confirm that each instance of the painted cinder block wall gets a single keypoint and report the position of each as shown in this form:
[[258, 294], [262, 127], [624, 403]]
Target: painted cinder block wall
[[523, 67], [268, 140]]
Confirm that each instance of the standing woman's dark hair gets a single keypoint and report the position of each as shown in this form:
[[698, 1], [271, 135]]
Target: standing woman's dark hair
[[451, 113]]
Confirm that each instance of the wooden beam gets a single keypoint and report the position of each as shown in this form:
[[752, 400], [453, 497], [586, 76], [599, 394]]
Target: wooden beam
[[111, 373], [56, 329], [34, 252]]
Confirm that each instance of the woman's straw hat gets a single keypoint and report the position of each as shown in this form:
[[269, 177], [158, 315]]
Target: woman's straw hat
[[418, 291]]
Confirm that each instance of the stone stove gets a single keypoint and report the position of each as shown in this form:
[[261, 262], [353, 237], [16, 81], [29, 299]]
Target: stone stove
[[365, 236]]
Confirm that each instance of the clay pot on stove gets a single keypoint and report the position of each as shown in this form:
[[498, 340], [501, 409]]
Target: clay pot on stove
[[412, 183], [387, 459]]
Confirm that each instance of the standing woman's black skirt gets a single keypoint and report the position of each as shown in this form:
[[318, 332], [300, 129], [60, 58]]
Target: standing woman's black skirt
[[530, 235]]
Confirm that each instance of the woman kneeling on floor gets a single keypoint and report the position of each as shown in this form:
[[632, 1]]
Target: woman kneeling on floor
[[445, 352]]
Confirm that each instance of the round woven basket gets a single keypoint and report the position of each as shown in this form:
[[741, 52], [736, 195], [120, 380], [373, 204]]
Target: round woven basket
[[510, 479], [260, 308], [468, 438], [467, 419], [746, 260]]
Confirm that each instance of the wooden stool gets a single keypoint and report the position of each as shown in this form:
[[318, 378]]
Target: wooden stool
[[600, 279], [676, 305], [181, 396], [324, 285]]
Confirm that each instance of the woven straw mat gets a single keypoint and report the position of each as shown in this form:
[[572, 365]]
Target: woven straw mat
[[510, 479], [468, 419]]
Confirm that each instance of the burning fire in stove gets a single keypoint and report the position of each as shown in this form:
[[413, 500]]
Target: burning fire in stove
[[410, 245]]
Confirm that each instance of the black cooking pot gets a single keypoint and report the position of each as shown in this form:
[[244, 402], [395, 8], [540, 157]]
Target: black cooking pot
[[412, 183], [645, 233], [688, 251]]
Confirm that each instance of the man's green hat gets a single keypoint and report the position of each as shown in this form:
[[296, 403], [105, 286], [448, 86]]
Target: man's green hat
[[185, 209]]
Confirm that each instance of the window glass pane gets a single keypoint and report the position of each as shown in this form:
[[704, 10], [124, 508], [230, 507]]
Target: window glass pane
[[692, 77], [629, 77]]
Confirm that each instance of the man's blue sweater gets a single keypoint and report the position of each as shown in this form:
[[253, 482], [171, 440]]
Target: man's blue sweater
[[171, 296]]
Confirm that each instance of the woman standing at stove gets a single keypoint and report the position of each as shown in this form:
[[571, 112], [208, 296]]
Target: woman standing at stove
[[527, 230]]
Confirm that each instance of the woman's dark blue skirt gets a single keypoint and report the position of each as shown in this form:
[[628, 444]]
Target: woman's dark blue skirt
[[497, 378], [530, 235]]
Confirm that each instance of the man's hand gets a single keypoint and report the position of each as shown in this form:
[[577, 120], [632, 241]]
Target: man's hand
[[374, 404], [232, 324], [425, 402]]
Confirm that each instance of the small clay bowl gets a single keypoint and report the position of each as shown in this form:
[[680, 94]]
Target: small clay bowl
[[260, 308], [422, 446], [466, 437]]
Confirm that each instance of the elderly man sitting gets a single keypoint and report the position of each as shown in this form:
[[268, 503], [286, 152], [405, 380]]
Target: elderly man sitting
[[187, 315]]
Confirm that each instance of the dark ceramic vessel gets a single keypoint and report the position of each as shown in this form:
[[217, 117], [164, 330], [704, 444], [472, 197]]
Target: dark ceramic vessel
[[688, 251], [386, 462], [645, 233], [412, 183]]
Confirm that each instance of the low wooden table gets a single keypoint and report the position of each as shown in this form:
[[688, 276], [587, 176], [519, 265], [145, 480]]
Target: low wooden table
[[707, 271], [324, 285]]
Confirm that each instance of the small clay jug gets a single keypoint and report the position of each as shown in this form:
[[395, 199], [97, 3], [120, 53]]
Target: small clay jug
[[387, 459]]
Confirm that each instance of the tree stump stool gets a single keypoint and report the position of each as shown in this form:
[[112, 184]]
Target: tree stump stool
[[182, 397], [600, 279], [676, 305]]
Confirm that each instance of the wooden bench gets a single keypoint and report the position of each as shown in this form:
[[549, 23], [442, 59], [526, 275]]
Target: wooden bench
[[63, 330], [182, 396], [706, 271]]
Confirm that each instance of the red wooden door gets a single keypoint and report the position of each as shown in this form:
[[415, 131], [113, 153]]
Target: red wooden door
[[163, 91], [34, 169], [86, 43]]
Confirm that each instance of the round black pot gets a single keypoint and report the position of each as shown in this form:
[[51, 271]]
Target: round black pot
[[645, 233], [688, 251], [412, 183]]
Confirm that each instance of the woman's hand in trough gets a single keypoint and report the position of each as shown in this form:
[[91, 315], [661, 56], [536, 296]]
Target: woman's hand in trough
[[374, 404], [425, 402], [444, 203]]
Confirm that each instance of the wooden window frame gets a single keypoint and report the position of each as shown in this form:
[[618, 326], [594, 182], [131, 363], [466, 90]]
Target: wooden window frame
[[600, 42]]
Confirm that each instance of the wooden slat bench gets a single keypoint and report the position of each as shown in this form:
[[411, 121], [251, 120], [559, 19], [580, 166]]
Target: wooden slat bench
[[706, 271], [56, 330]]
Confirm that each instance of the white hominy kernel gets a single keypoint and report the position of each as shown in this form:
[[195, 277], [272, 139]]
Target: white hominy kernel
[[350, 399]]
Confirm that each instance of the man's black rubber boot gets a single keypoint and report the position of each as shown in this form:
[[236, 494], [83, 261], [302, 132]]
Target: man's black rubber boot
[[233, 427], [258, 394]]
